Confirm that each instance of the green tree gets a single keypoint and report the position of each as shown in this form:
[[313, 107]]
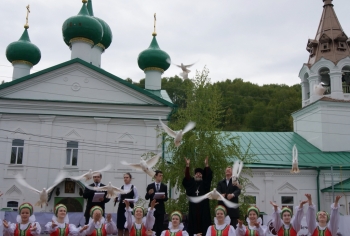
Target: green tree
[[204, 106]]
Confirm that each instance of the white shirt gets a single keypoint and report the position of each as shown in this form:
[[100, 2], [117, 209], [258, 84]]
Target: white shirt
[[128, 187]]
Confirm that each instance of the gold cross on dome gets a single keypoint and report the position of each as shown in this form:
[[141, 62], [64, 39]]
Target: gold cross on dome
[[28, 11]]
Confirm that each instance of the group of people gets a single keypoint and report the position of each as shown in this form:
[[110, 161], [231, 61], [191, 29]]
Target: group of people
[[134, 220]]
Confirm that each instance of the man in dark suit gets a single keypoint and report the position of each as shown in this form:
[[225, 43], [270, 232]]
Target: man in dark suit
[[89, 195], [152, 188], [230, 191]]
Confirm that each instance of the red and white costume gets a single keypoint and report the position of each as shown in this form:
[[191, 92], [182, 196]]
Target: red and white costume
[[313, 226], [295, 223]]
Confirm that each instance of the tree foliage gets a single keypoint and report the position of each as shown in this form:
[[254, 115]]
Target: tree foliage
[[246, 106], [204, 106]]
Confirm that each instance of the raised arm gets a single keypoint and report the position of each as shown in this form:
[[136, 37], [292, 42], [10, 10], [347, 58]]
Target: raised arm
[[310, 215], [334, 220], [128, 215], [187, 170], [299, 214], [150, 217], [241, 229], [276, 219], [136, 194], [110, 226]]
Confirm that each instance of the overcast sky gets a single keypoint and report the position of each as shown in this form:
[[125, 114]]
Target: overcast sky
[[262, 41]]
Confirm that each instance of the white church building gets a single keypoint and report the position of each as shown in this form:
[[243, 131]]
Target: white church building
[[75, 116], [321, 131]]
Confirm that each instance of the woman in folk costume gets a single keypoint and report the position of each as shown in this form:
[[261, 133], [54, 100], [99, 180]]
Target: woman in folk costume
[[326, 225], [98, 225], [175, 226], [284, 222], [137, 224], [222, 225], [254, 227], [26, 225], [133, 194], [59, 226]]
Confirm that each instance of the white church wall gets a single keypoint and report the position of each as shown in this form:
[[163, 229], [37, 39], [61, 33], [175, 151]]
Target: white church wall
[[100, 141], [326, 125]]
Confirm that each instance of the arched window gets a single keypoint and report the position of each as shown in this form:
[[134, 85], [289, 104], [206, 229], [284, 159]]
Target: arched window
[[346, 79], [13, 205], [325, 79]]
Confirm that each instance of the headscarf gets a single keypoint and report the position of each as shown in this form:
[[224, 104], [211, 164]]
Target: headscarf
[[255, 209], [317, 214], [220, 207], [94, 208], [139, 207], [57, 207], [26, 205], [286, 209]]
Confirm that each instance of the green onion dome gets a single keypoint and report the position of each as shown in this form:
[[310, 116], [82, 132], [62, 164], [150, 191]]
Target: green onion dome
[[23, 50], [153, 58], [82, 26], [107, 32]]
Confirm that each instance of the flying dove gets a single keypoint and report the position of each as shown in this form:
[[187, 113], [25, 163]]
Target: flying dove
[[184, 68], [177, 135], [214, 195], [236, 170], [43, 194], [145, 165], [87, 176], [295, 168], [111, 190], [319, 89]]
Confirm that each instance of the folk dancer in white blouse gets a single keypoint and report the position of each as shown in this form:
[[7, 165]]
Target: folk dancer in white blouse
[[326, 225], [222, 225], [139, 224], [254, 226], [59, 226], [26, 225], [98, 225]]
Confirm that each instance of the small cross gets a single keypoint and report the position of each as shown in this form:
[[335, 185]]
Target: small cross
[[197, 192]]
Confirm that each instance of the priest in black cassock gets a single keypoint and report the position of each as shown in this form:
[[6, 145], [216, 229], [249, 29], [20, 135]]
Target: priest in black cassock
[[199, 213]]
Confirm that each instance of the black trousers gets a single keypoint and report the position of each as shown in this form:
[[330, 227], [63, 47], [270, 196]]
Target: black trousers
[[234, 222], [158, 224]]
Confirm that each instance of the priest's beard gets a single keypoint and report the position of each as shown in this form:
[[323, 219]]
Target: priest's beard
[[198, 178]]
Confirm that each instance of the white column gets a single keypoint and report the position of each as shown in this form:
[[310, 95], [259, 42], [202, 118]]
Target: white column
[[96, 53], [20, 69], [46, 175], [81, 49], [101, 142], [313, 80], [269, 190], [336, 85], [153, 80]]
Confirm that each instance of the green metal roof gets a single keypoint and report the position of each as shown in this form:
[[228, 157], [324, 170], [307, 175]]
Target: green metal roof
[[274, 150], [343, 186], [95, 68]]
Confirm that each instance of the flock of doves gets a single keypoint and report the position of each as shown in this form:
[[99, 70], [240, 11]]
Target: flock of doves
[[145, 166]]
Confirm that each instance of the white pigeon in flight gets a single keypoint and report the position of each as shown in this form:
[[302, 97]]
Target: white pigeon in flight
[[87, 176], [145, 165], [319, 89], [236, 170], [43, 194], [295, 168], [213, 195], [177, 135], [184, 68], [111, 190]]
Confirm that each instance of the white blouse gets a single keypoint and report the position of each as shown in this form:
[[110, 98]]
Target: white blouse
[[73, 230]]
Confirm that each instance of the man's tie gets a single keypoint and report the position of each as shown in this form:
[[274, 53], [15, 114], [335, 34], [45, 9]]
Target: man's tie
[[157, 187]]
